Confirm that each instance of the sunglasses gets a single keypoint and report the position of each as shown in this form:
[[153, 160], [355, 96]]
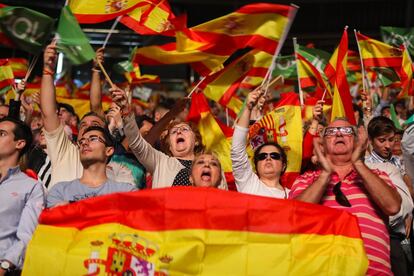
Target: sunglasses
[[340, 196], [332, 131], [273, 155]]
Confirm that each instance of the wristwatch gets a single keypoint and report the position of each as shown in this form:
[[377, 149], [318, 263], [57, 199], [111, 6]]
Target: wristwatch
[[6, 265]]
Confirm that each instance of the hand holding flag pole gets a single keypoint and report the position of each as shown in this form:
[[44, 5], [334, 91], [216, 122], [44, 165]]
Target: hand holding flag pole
[[108, 79]]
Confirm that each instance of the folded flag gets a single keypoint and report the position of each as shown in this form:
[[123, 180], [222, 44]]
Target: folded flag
[[25, 28], [195, 231], [71, 39], [132, 73], [336, 72]]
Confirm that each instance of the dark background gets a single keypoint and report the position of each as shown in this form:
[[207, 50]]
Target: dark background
[[320, 22]]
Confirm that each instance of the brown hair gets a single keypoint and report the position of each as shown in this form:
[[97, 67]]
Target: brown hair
[[198, 143]]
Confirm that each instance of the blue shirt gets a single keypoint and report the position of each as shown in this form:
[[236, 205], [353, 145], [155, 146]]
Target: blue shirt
[[21, 201]]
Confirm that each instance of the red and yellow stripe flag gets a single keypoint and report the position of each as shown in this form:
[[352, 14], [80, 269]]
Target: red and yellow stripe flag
[[336, 72], [6, 76], [19, 66], [92, 11], [215, 135], [195, 231], [222, 86], [135, 77], [259, 25], [151, 19], [284, 126], [406, 75], [375, 53]]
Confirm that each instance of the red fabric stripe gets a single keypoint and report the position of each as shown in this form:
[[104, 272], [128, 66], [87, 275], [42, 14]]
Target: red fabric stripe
[[383, 62], [288, 98], [203, 208], [265, 8]]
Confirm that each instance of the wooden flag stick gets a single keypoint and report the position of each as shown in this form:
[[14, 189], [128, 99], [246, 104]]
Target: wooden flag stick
[[323, 96], [195, 87], [31, 67], [111, 31], [108, 79]]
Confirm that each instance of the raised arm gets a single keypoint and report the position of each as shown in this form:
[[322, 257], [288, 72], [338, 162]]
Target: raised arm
[[47, 90], [96, 87], [144, 152]]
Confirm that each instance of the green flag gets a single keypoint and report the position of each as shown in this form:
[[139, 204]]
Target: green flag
[[285, 66], [316, 57], [386, 75], [399, 36], [123, 67], [71, 39], [27, 29], [394, 117]]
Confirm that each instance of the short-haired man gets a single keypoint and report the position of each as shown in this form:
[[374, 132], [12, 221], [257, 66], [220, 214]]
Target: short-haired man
[[96, 147], [64, 155], [381, 133], [21, 197], [345, 182]]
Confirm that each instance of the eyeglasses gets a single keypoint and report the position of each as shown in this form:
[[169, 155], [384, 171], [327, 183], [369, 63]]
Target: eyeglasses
[[91, 139], [332, 131], [182, 129], [340, 196], [274, 155]]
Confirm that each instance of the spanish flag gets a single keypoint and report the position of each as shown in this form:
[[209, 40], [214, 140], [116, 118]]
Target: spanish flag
[[195, 231], [19, 66], [375, 53], [406, 75], [151, 19], [92, 11], [168, 54], [6, 76], [222, 86], [215, 135], [259, 25], [284, 126], [336, 69]]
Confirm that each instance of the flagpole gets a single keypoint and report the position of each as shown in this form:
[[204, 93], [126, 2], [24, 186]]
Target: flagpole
[[295, 46], [364, 88], [108, 79], [195, 87], [111, 30], [291, 16], [31, 67]]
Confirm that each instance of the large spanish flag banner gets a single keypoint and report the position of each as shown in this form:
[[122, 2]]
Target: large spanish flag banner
[[6, 76], [92, 11], [194, 231], [284, 126], [406, 75]]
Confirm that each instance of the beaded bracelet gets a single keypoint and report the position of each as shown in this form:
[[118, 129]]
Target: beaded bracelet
[[47, 71]]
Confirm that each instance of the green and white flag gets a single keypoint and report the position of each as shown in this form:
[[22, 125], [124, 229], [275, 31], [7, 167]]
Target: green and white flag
[[316, 57], [27, 29], [71, 39], [399, 36], [285, 66]]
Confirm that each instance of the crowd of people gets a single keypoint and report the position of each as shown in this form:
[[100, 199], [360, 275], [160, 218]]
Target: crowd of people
[[53, 158]]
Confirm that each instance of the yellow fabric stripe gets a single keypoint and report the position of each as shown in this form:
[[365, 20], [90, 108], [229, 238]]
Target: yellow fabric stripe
[[100, 7], [197, 252], [377, 49], [214, 140]]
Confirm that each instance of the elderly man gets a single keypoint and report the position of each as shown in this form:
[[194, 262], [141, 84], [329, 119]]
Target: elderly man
[[345, 182]]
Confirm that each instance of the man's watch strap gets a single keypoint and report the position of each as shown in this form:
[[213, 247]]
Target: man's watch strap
[[6, 265]]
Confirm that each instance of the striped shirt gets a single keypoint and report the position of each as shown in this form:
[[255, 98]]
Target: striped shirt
[[370, 219]]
